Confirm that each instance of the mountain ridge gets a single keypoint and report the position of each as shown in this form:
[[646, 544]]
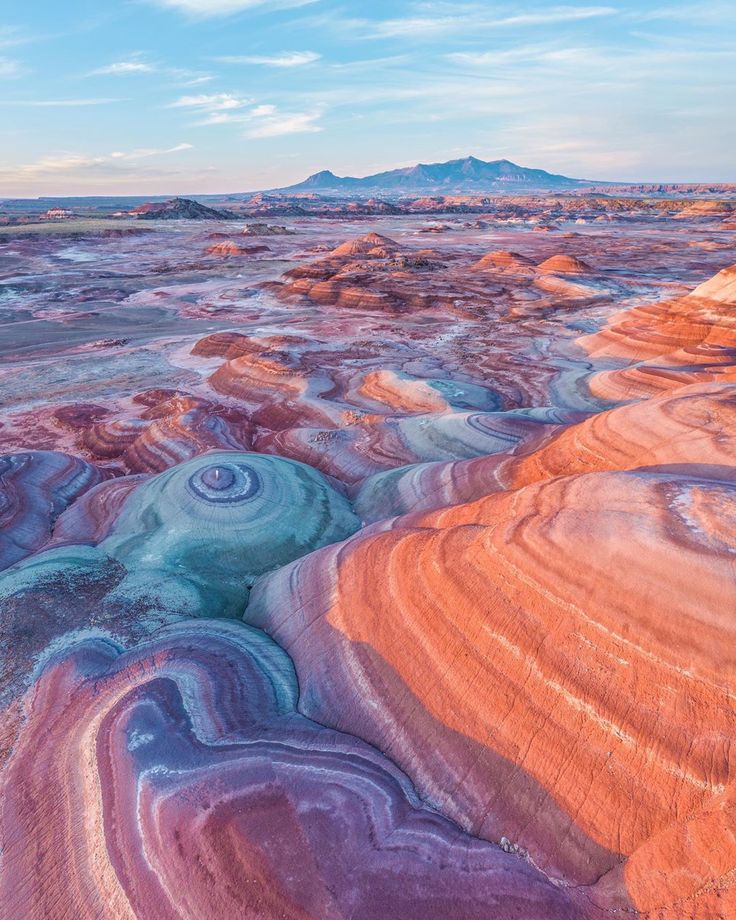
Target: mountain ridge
[[468, 174]]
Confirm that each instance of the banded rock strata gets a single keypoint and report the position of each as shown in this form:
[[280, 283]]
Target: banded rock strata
[[509, 694]]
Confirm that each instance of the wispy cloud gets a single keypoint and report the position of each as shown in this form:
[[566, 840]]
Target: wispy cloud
[[409, 27], [718, 12], [135, 65], [58, 164], [273, 123], [213, 102], [122, 68], [441, 20], [143, 153], [498, 56], [184, 77], [619, 64], [557, 14], [285, 59], [261, 120], [203, 8], [371, 64], [11, 36]]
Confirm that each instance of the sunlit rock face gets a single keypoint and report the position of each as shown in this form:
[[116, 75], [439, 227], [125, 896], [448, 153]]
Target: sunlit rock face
[[362, 579], [508, 639], [670, 344], [693, 428]]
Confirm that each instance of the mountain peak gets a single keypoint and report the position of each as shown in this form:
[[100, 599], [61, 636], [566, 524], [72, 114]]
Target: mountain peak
[[324, 176]]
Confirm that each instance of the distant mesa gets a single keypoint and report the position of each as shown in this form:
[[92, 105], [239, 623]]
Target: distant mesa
[[179, 209], [466, 175]]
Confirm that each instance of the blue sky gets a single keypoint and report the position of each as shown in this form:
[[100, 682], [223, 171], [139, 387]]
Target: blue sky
[[187, 96]]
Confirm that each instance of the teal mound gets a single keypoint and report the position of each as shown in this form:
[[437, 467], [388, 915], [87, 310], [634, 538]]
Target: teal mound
[[226, 517]]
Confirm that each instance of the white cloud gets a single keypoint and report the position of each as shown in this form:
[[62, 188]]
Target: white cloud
[[10, 36], [188, 77], [483, 59], [262, 119], [214, 102], [461, 19], [718, 13], [589, 67], [285, 59], [410, 27], [135, 64], [227, 7], [557, 14], [121, 68], [144, 152], [278, 124]]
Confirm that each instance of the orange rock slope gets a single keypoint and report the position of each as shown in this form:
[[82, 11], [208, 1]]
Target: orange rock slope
[[693, 428], [670, 343], [554, 665]]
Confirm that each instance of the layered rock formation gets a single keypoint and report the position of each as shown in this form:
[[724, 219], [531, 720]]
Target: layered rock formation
[[400, 584], [230, 248], [670, 344], [695, 427], [170, 430], [535, 689], [206, 793], [35, 488]]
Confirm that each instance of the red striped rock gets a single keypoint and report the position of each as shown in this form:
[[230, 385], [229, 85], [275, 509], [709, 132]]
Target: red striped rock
[[503, 260], [371, 444], [109, 440], [554, 665], [674, 343], [564, 265], [176, 438], [371, 245], [93, 515], [693, 426], [228, 248]]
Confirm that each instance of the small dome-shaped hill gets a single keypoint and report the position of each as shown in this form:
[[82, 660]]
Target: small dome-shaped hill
[[564, 265]]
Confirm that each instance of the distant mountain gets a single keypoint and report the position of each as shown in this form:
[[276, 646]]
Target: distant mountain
[[179, 209], [469, 175]]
